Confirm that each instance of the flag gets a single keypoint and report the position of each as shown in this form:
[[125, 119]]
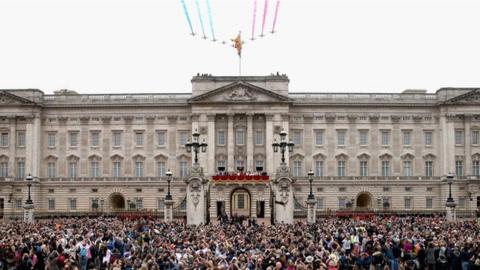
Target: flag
[[237, 44]]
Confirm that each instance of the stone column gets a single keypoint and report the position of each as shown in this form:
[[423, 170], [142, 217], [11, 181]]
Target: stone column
[[269, 162], [172, 143], [250, 143], [211, 170], [28, 213], [33, 137], [468, 145], [168, 210], [311, 210], [308, 142], [230, 145]]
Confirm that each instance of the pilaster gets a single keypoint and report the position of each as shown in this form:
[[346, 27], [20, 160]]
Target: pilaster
[[269, 140], [211, 144], [230, 144], [250, 143]]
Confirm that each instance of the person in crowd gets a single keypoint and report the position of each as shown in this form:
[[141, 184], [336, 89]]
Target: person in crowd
[[236, 242]]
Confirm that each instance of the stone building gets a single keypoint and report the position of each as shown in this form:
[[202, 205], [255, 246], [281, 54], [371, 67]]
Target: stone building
[[107, 153]]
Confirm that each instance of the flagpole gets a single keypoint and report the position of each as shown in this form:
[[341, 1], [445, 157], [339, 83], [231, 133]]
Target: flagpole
[[239, 65]]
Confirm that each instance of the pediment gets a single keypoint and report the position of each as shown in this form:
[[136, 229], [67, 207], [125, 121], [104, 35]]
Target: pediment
[[9, 99], [240, 92], [470, 98]]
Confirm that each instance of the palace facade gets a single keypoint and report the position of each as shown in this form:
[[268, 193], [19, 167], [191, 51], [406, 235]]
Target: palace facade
[[107, 153]]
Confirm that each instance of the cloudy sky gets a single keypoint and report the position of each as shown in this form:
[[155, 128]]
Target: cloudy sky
[[114, 46]]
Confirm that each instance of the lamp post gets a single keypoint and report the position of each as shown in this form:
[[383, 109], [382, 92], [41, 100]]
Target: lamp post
[[283, 145], [310, 179], [169, 180], [450, 203], [28, 208], [311, 211], [29, 180], [196, 146], [168, 199]]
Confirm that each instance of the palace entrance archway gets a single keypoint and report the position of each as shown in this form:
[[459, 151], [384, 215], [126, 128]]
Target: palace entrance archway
[[364, 201], [240, 202], [116, 202]]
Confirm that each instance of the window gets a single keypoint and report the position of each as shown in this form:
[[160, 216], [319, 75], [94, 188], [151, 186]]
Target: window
[[408, 203], [21, 169], [72, 202], [138, 190], [73, 135], [407, 138], [385, 168], [221, 163], [320, 203], [319, 137], [161, 204], [161, 168], [408, 189], [94, 169], [259, 137], [117, 168], [221, 137], [341, 134], [138, 138], [428, 138], [94, 190], [476, 167], [3, 169], [461, 202], [297, 168], [342, 203], [363, 137], [297, 137], [429, 189], [259, 163], [183, 169], [475, 137], [319, 168], [18, 203], [240, 137], [51, 138], [161, 138], [51, 169], [459, 137], [429, 168], [72, 169], [117, 138], [240, 163], [94, 203], [51, 190], [341, 168], [95, 138], [363, 168], [183, 137], [385, 135], [4, 139], [21, 139], [139, 168], [429, 203], [407, 168], [139, 203], [386, 189], [240, 201], [386, 202], [459, 167], [51, 204]]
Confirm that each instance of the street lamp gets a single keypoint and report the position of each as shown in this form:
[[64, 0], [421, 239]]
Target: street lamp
[[310, 179], [283, 145], [450, 200], [29, 180], [195, 145], [169, 179]]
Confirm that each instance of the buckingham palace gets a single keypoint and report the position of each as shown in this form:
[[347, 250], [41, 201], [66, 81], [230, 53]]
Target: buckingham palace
[[242, 138]]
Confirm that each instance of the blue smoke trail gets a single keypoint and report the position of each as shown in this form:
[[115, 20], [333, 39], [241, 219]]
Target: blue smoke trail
[[210, 19], [200, 17], [185, 10]]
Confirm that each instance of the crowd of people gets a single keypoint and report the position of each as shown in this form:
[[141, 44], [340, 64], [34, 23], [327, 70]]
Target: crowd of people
[[380, 243]]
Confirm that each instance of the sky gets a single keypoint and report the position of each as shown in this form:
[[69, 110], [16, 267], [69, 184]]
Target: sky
[[144, 46]]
